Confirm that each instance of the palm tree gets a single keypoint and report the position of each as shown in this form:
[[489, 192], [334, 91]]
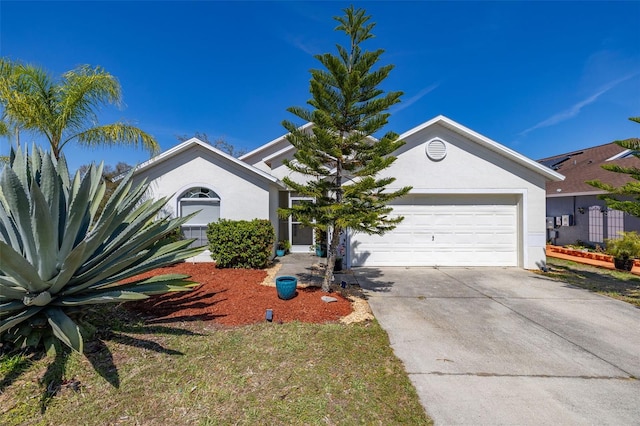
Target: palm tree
[[64, 110]]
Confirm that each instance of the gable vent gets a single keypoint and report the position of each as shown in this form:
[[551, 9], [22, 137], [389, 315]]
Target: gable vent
[[436, 149]]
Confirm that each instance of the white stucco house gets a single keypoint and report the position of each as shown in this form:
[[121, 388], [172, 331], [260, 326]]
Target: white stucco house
[[474, 201]]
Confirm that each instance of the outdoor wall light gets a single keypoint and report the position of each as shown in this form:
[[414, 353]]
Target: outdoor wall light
[[581, 210]]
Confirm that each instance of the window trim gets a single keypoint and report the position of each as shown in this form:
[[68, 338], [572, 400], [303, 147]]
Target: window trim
[[211, 197]]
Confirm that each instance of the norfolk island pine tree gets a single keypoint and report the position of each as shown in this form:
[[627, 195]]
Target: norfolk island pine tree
[[617, 198], [339, 154]]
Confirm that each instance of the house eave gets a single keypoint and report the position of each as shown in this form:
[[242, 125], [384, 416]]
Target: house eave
[[282, 151], [270, 144], [165, 156], [549, 174], [575, 194], [277, 154]]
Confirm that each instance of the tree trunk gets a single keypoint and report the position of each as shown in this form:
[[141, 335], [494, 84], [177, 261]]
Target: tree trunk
[[335, 230], [332, 250]]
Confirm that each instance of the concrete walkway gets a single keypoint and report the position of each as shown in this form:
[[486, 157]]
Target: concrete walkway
[[507, 346], [309, 269]]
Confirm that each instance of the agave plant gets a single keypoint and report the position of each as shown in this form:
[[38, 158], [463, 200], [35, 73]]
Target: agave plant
[[58, 257]]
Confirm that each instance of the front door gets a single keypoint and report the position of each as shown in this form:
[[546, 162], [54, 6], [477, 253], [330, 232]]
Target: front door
[[301, 235]]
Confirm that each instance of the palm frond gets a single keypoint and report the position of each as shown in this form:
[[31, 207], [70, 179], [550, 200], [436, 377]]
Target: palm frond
[[82, 92], [65, 109], [118, 134]]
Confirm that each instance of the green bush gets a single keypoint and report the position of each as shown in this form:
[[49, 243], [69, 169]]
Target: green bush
[[284, 245], [625, 247], [241, 243]]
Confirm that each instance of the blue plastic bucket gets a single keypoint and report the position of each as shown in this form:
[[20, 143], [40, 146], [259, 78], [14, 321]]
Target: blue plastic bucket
[[286, 287]]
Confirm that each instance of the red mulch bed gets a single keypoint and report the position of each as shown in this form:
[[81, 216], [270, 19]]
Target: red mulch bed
[[235, 297]]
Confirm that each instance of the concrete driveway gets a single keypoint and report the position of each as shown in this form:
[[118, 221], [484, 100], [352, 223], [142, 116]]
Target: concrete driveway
[[507, 346]]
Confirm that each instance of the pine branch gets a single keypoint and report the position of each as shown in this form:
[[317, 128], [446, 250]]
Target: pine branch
[[339, 154]]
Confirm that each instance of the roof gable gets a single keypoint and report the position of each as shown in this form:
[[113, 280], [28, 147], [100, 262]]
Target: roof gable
[[487, 143], [586, 164], [280, 146], [195, 142], [277, 148]]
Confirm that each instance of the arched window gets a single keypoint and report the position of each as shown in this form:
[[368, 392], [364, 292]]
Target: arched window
[[204, 201]]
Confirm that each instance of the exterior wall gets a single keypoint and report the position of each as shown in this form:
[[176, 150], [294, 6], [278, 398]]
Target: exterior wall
[[631, 223], [279, 170], [262, 166], [558, 206], [243, 195], [467, 165], [274, 197], [256, 160], [470, 168]]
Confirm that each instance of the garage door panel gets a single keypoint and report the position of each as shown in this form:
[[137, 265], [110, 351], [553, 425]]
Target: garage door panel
[[439, 234], [401, 239], [466, 220]]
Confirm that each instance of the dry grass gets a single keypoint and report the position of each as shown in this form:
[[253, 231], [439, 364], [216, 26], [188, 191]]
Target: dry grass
[[194, 373], [616, 284]]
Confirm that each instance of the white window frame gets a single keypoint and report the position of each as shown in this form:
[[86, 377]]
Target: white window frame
[[596, 224], [615, 223], [192, 196], [301, 247]]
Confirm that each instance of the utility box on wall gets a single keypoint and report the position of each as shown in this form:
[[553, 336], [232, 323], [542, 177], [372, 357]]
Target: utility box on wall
[[550, 223], [558, 220], [567, 220]]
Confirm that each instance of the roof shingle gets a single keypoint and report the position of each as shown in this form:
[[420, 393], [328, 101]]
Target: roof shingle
[[583, 165]]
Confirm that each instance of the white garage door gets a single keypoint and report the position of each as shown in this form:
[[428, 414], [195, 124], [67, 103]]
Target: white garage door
[[445, 231]]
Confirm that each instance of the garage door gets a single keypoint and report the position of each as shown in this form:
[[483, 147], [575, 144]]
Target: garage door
[[445, 231]]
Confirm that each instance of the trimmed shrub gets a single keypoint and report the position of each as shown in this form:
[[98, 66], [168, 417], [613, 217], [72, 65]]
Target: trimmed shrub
[[241, 243]]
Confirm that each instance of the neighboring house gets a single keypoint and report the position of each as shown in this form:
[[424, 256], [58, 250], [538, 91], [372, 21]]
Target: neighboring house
[[587, 219], [474, 202]]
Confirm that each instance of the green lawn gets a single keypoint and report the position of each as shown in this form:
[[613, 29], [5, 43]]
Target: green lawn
[[617, 284], [197, 374]]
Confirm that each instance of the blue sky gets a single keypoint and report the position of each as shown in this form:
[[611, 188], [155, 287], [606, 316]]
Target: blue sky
[[542, 78]]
